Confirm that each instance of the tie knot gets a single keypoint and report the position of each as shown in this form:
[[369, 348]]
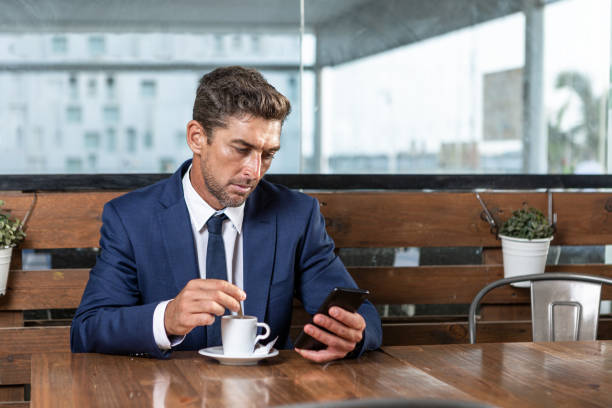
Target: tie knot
[[214, 223]]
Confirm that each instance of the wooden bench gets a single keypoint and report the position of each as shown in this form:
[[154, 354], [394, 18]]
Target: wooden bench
[[377, 219]]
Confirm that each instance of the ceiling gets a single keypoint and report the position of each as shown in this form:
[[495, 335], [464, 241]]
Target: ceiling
[[177, 15], [345, 29]]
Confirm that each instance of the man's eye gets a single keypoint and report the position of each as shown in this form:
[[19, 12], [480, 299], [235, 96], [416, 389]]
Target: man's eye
[[241, 150], [268, 156]]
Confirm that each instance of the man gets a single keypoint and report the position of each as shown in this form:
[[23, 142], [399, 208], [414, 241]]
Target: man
[[178, 254]]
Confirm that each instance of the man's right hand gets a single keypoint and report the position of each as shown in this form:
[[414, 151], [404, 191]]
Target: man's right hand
[[198, 304]]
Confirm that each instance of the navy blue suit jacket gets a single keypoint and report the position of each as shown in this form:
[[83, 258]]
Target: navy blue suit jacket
[[148, 255]]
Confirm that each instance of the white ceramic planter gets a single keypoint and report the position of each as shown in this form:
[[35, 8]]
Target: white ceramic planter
[[524, 257], [5, 263]]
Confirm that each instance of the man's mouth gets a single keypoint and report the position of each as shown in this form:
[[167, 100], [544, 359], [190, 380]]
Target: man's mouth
[[242, 188]]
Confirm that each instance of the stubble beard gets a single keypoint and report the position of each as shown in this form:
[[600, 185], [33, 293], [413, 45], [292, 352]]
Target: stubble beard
[[217, 190]]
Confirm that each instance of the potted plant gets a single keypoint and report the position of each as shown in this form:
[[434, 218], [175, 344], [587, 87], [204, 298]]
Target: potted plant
[[525, 237], [11, 234]]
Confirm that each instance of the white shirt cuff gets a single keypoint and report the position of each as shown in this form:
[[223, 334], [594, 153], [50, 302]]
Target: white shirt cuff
[[159, 329]]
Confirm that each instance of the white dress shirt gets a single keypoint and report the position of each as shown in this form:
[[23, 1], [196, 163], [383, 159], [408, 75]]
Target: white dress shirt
[[199, 213]]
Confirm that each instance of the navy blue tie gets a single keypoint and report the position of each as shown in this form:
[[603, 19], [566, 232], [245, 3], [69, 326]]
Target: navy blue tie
[[216, 268]]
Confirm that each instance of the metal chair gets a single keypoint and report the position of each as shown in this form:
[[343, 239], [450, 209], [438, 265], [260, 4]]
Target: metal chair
[[564, 306], [391, 403]]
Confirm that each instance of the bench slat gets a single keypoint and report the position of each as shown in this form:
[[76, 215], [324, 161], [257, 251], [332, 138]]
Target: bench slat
[[487, 332], [34, 339], [45, 289], [452, 284], [63, 288], [12, 393], [14, 369], [403, 219], [61, 220], [15, 404], [354, 220], [421, 333]]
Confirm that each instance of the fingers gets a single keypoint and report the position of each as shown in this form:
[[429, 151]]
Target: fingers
[[222, 292], [200, 319], [320, 356], [353, 320], [331, 340], [217, 284], [179, 321], [345, 331], [198, 304], [214, 302], [344, 324], [339, 329]]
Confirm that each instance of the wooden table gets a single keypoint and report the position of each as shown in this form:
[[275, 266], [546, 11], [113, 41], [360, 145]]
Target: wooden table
[[568, 374], [510, 374]]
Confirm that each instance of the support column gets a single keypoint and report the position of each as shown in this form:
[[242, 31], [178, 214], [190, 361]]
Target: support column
[[317, 142], [535, 138]]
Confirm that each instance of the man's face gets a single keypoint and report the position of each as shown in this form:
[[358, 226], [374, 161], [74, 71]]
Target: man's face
[[236, 159]]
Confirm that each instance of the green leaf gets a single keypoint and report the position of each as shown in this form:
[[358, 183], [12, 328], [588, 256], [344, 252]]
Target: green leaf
[[11, 229], [527, 222]]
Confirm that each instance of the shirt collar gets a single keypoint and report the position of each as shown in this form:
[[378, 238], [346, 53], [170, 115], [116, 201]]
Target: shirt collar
[[200, 211]]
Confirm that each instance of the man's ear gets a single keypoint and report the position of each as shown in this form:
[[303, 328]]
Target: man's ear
[[196, 137]]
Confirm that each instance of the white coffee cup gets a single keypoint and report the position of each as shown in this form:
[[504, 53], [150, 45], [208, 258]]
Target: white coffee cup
[[239, 334]]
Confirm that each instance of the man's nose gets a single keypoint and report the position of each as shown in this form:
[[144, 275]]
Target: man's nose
[[252, 166]]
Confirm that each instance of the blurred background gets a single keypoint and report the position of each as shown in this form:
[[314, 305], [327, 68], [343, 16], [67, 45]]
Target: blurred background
[[377, 87]]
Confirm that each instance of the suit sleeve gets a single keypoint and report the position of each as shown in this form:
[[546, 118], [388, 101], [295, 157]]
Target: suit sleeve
[[321, 270], [111, 317]]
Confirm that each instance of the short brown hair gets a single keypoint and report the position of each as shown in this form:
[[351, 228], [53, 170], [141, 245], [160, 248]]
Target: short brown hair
[[236, 91]]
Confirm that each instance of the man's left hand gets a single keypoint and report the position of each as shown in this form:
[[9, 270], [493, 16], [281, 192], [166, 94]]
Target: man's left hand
[[346, 330]]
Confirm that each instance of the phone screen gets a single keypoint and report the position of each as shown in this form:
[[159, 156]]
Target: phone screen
[[347, 298]]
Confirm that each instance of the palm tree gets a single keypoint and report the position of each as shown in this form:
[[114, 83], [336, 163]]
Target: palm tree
[[581, 142]]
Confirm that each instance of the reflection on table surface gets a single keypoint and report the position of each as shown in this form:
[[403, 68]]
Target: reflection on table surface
[[503, 374], [521, 374]]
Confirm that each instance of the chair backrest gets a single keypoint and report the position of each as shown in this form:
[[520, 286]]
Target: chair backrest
[[564, 310], [564, 306]]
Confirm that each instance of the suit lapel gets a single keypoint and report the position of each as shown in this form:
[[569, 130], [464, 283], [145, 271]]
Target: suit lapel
[[175, 227], [179, 245], [259, 243]]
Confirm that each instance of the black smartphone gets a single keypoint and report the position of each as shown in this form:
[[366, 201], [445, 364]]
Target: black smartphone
[[347, 298]]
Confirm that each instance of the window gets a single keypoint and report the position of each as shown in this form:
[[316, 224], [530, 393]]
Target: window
[[374, 86], [131, 140], [452, 100], [92, 140], [147, 88], [73, 86], [92, 161], [148, 139], [97, 46], [59, 45], [111, 140], [236, 42], [111, 114], [255, 43], [110, 87], [219, 44], [92, 87], [73, 165], [73, 114]]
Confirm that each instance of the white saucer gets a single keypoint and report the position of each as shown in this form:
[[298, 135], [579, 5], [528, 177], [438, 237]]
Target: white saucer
[[216, 352]]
